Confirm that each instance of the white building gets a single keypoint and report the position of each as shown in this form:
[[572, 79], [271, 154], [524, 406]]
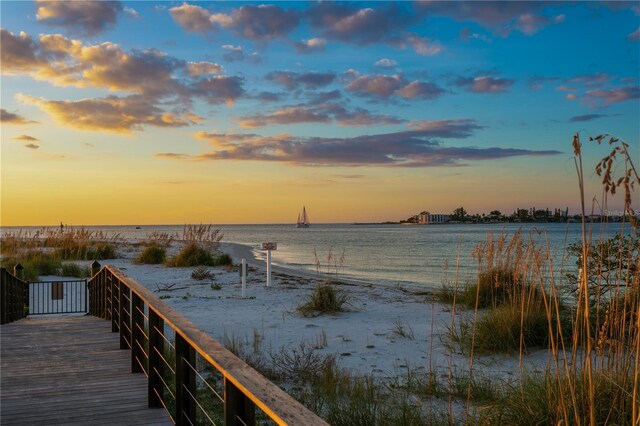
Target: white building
[[427, 218]]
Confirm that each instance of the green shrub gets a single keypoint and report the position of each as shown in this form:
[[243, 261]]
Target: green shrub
[[201, 273], [152, 255], [216, 286], [102, 251], [223, 260], [74, 270], [324, 299], [192, 255], [543, 399]]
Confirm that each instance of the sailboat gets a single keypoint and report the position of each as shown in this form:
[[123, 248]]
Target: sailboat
[[303, 219]]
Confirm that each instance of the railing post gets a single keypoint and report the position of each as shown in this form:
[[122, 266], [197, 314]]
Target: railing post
[[123, 319], [156, 326], [185, 382], [137, 325], [238, 409], [4, 302], [114, 299]]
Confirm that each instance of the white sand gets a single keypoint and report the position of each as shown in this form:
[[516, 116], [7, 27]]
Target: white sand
[[363, 338]]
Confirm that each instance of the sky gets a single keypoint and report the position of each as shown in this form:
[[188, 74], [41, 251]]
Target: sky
[[236, 112]]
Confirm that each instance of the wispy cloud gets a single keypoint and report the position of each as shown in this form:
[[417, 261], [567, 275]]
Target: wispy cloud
[[586, 117], [26, 138], [385, 63], [293, 80], [385, 24], [311, 45], [237, 54], [484, 84], [412, 148], [317, 113], [499, 16], [83, 17], [112, 114], [387, 86], [612, 96], [634, 36], [261, 22], [7, 117]]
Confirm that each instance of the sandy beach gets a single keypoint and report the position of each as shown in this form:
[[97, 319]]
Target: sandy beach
[[384, 331]]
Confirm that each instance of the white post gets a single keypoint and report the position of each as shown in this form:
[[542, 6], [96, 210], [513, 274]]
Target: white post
[[244, 275], [268, 267]]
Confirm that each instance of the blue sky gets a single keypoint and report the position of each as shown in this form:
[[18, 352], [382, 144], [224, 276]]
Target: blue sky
[[202, 111]]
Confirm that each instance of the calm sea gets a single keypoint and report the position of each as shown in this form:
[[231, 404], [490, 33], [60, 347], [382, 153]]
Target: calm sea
[[385, 254]]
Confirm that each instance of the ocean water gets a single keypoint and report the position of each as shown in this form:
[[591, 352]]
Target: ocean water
[[383, 254]]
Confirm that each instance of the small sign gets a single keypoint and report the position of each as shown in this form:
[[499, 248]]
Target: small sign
[[269, 246], [57, 290]]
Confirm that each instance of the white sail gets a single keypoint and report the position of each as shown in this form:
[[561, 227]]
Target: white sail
[[303, 219]]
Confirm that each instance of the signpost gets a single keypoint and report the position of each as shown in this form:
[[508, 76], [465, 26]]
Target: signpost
[[268, 246]]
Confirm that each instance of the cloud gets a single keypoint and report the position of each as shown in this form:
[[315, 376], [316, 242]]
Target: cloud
[[66, 62], [529, 23], [219, 89], [194, 19], [586, 117], [461, 128], [18, 52], [592, 80], [112, 114], [386, 86], [293, 80], [151, 74], [634, 36], [32, 146], [26, 138], [501, 17], [311, 45], [612, 96], [484, 84], [7, 117], [413, 148], [236, 54], [538, 82], [286, 115], [261, 22], [386, 24], [201, 68], [81, 17], [172, 156], [385, 63], [467, 34], [318, 113]]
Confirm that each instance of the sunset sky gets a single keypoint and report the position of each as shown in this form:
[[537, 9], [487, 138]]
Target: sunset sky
[[229, 112]]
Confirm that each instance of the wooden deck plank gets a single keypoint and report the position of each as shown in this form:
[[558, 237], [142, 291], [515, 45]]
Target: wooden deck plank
[[69, 370]]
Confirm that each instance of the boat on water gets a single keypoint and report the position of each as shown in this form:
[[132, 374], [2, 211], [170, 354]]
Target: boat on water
[[303, 219]]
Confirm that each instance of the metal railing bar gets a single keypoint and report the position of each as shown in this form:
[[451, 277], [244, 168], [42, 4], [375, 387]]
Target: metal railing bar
[[142, 313], [164, 406], [126, 325], [198, 404], [203, 379], [161, 333], [127, 341], [142, 367], [146, 355], [165, 361], [241, 421], [165, 385], [142, 331]]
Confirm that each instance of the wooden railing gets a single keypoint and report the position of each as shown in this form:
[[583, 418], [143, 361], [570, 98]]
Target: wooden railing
[[156, 334], [14, 297]]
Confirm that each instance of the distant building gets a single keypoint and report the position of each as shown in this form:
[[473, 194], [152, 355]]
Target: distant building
[[427, 218]]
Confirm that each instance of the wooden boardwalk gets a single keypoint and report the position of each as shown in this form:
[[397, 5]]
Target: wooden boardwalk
[[69, 370]]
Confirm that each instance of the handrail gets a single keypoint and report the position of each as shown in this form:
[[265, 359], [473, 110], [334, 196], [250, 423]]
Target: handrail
[[244, 387], [14, 297]]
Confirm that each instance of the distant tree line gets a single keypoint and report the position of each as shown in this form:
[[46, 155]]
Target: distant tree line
[[531, 215]]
